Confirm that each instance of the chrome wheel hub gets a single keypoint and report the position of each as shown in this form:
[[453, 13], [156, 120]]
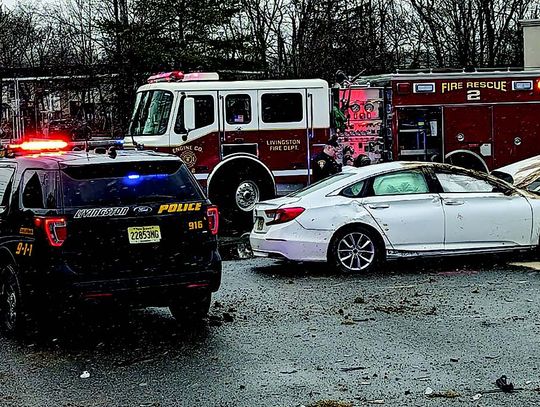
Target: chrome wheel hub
[[356, 251], [247, 195]]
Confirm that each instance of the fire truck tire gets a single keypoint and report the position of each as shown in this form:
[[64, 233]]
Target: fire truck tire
[[467, 159], [236, 197]]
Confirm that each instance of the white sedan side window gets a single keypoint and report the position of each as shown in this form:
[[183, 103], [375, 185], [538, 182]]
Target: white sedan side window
[[462, 183], [401, 183]]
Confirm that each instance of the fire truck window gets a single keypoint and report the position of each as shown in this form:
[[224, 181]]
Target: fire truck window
[[204, 113], [462, 183], [401, 183], [152, 113], [238, 109], [282, 107]]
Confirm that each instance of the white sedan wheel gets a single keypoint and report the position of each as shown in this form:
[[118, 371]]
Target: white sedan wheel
[[355, 251]]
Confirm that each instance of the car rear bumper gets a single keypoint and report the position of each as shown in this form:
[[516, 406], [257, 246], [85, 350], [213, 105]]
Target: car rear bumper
[[152, 289], [292, 242]]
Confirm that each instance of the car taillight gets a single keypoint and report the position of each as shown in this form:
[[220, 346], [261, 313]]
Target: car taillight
[[55, 229], [283, 215], [213, 219]]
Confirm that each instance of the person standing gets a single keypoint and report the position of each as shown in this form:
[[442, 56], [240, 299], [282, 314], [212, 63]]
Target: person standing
[[324, 164]]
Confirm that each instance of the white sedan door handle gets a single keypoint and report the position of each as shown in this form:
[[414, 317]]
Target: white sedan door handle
[[453, 203], [379, 206]]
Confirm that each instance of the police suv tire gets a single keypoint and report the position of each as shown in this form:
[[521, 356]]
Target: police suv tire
[[355, 249], [191, 308], [13, 318]]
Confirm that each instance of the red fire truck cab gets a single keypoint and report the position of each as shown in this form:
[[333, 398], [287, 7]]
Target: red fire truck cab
[[478, 120], [245, 141]]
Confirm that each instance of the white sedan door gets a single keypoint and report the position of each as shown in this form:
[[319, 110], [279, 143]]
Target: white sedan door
[[409, 214], [478, 215]]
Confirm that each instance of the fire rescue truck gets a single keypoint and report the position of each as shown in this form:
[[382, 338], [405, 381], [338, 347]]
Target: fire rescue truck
[[245, 141], [478, 120]]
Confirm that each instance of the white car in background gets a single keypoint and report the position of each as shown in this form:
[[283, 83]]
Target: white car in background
[[362, 216], [524, 174]]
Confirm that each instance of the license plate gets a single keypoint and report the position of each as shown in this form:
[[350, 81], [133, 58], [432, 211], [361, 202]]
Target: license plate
[[260, 224], [144, 234]]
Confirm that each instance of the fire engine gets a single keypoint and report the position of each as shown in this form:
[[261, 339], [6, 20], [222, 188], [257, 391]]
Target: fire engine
[[478, 120], [245, 141]]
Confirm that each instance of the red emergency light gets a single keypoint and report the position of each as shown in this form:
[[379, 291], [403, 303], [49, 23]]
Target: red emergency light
[[404, 88], [40, 145], [174, 76]]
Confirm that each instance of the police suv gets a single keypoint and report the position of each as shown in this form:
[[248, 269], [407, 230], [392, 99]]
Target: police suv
[[128, 226]]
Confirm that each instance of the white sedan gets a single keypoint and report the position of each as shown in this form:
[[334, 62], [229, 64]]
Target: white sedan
[[362, 216]]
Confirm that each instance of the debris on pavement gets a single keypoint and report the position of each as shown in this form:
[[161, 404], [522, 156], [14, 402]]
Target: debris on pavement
[[378, 401], [428, 391], [503, 384], [353, 368], [331, 403], [290, 371], [447, 394], [476, 397], [359, 300], [85, 375]]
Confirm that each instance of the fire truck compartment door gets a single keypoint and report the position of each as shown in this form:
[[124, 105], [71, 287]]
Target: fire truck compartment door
[[238, 123], [206, 116], [478, 215], [468, 128]]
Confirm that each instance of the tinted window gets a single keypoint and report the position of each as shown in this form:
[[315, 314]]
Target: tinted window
[[6, 177], [238, 109], [204, 113], [462, 183], [282, 107], [127, 184], [401, 183], [353, 191], [39, 189], [321, 184]]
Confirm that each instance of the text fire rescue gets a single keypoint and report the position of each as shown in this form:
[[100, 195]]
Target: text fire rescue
[[451, 86]]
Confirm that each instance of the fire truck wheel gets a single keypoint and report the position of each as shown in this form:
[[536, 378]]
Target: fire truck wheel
[[237, 198]]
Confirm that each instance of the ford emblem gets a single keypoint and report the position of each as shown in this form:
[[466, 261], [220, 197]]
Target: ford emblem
[[141, 210]]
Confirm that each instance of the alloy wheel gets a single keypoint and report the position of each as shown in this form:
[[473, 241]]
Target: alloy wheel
[[356, 251]]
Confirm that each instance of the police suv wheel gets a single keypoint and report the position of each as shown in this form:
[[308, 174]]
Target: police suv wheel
[[11, 315], [191, 308], [355, 250]]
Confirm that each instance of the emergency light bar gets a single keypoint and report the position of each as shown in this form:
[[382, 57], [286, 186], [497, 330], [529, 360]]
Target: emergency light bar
[[33, 146], [174, 76], [41, 145], [178, 76]]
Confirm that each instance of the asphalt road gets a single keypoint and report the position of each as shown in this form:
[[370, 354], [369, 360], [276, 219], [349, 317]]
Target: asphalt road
[[281, 334]]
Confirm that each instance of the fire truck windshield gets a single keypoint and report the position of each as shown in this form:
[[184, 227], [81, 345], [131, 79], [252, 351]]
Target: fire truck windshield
[[151, 114]]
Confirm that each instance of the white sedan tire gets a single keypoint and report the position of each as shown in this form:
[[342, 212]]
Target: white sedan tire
[[355, 249]]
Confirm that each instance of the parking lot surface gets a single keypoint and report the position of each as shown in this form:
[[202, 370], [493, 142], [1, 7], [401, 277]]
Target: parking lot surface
[[282, 334]]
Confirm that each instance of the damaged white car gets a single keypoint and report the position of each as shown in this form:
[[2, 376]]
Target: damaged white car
[[362, 216]]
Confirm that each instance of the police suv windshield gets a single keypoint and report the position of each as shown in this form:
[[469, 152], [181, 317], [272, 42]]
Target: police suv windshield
[[151, 114], [128, 184]]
